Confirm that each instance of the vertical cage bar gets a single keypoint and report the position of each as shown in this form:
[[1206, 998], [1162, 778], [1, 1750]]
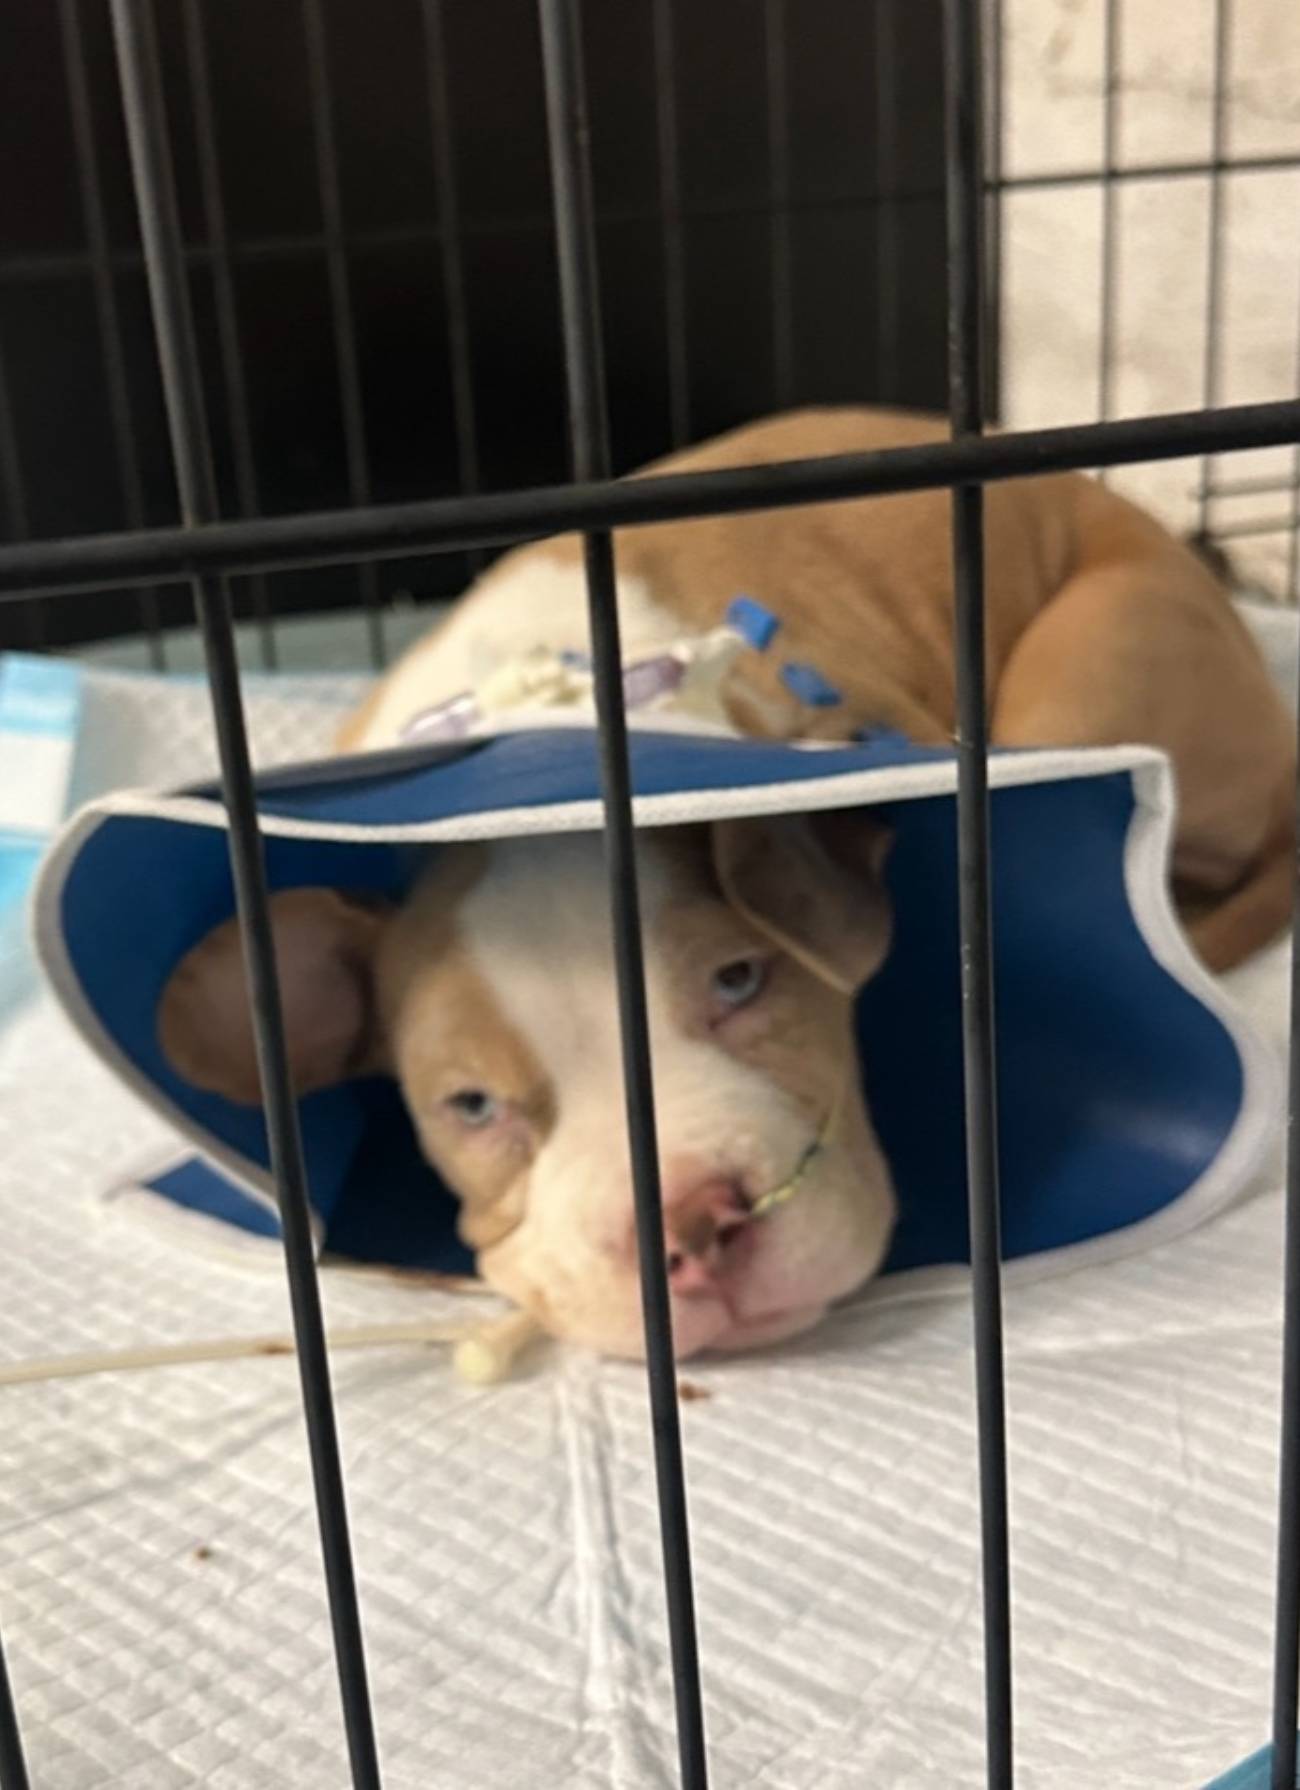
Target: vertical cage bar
[[888, 320], [13, 488], [1109, 214], [146, 123], [778, 149], [227, 311], [1293, 542], [342, 319], [672, 235], [13, 1766], [1286, 1634], [455, 289], [117, 380], [1212, 359], [569, 136], [12, 482], [964, 185], [991, 372]]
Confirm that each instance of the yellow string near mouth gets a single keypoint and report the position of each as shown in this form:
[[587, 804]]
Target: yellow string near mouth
[[777, 1196]]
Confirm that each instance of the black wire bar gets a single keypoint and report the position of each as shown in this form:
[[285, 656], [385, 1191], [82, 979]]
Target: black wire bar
[[964, 147], [671, 232], [1286, 1632], [455, 284], [225, 304], [342, 310], [1106, 367], [152, 174], [568, 134], [1212, 351], [1286, 1628], [13, 1766], [434, 525], [117, 381], [13, 496], [23, 267]]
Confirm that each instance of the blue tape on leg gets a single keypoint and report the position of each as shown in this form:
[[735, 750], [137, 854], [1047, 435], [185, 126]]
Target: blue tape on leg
[[756, 625], [882, 736], [807, 685]]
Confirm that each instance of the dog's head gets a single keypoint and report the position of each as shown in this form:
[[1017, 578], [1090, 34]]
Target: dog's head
[[490, 995]]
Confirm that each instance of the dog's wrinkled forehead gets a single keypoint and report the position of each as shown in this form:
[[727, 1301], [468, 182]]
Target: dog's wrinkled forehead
[[537, 925], [504, 954]]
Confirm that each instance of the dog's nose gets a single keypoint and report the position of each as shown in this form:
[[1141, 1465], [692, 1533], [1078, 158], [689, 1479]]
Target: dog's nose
[[699, 1226]]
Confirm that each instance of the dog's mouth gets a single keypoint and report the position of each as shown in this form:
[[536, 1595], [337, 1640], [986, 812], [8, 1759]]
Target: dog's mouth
[[720, 1310]]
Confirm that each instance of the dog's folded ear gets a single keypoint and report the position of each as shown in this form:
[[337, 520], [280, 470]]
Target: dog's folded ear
[[813, 885], [325, 944]]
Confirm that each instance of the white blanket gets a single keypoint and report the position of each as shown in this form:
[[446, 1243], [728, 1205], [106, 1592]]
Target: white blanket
[[160, 1588]]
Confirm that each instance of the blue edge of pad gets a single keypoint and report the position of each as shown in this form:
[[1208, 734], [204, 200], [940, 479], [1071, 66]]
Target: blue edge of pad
[[1250, 1774], [1117, 1087]]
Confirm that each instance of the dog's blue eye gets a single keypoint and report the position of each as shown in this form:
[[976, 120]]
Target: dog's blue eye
[[739, 981], [473, 1107]]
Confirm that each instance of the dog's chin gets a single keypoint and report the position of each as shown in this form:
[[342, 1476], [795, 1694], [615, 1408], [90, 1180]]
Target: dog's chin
[[758, 1333], [795, 1266]]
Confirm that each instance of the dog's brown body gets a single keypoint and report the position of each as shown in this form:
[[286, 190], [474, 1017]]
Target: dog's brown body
[[1101, 629]]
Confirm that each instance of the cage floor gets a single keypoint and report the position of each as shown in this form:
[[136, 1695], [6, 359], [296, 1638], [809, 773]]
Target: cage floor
[[159, 1582]]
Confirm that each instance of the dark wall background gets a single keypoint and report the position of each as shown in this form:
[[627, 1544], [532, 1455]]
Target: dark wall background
[[771, 232]]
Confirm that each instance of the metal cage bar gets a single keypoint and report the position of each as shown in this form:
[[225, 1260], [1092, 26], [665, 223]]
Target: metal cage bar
[[1212, 357], [1293, 549], [226, 305], [1209, 166], [395, 531], [108, 321], [13, 490], [342, 320], [964, 144], [995, 185], [1109, 212], [780, 252], [1286, 1636], [191, 450], [450, 232], [43, 264], [1252, 528], [888, 248], [13, 1765], [575, 236], [1265, 485], [672, 237]]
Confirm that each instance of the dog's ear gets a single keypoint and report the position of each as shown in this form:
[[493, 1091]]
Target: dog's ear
[[325, 946], [813, 885]]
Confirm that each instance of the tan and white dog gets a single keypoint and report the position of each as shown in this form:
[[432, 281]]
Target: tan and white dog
[[489, 993]]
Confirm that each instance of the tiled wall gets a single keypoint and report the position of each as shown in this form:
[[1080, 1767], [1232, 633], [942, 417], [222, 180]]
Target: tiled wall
[[1054, 121]]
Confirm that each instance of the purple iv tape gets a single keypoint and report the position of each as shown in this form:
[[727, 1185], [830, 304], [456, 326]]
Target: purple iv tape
[[643, 682], [450, 720], [649, 679]]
